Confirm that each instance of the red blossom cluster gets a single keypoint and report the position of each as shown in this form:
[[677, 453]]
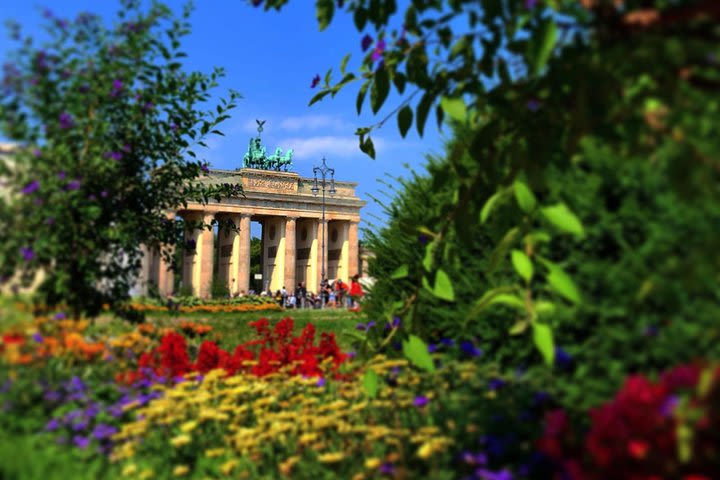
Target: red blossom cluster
[[276, 349], [641, 434]]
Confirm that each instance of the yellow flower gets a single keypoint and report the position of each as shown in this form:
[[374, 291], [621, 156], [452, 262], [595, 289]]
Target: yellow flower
[[425, 450], [332, 457], [181, 470], [286, 466], [147, 474], [129, 470], [214, 452], [373, 463], [180, 440], [188, 427], [227, 467]]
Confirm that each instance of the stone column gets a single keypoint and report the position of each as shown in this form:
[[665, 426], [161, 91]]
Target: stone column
[[166, 277], [353, 249], [322, 252], [243, 263], [205, 251], [290, 253]]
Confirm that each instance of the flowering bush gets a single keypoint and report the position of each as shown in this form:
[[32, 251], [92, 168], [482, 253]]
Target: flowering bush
[[650, 430], [271, 352]]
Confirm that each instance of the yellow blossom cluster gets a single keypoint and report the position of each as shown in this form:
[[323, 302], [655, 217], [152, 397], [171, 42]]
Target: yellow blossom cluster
[[281, 423]]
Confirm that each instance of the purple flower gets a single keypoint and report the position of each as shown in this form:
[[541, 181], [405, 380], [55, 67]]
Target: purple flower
[[61, 23], [496, 384], [530, 4], [562, 358], [474, 459], [31, 187], [73, 185], [485, 474], [432, 348], [420, 401], [117, 87], [61, 175], [27, 253], [533, 105], [80, 441], [370, 324], [468, 347], [92, 197], [52, 425], [38, 201], [423, 239], [103, 430], [92, 410], [37, 152], [650, 331], [115, 411], [117, 156], [84, 88], [386, 469], [80, 425], [125, 148], [104, 193], [449, 342], [205, 168], [47, 13], [315, 81], [66, 120], [366, 42], [174, 127], [52, 396], [351, 354], [37, 337], [379, 49], [320, 382], [669, 405], [60, 316], [540, 397], [360, 326]]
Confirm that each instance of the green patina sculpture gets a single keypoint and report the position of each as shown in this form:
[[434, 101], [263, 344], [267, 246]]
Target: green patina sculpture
[[257, 157]]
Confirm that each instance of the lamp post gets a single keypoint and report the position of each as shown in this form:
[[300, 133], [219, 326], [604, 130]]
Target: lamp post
[[323, 171]]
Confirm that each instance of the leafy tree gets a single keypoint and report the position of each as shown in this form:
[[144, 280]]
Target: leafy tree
[[541, 91], [106, 119]]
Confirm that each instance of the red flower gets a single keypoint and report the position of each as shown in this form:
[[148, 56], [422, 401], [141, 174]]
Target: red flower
[[210, 357], [173, 355]]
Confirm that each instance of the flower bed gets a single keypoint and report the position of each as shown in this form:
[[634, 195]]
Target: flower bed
[[159, 402]]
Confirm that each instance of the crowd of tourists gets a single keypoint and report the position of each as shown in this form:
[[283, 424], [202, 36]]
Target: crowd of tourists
[[335, 294]]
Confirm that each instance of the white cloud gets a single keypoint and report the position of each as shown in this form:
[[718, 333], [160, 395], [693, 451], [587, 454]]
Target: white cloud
[[298, 123], [330, 146], [313, 122]]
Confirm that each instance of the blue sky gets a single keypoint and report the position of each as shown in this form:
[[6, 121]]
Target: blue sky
[[271, 58]]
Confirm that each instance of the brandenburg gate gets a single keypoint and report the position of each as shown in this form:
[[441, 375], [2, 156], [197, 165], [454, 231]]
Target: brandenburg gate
[[292, 231]]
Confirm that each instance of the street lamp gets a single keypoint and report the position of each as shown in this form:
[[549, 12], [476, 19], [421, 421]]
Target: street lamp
[[323, 171]]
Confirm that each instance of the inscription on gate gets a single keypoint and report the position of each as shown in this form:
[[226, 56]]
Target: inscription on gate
[[270, 183]]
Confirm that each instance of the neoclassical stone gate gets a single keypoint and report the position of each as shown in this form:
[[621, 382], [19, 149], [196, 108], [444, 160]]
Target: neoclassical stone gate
[[292, 235]]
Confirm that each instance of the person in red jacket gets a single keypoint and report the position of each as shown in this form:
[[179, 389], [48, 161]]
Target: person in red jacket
[[356, 292]]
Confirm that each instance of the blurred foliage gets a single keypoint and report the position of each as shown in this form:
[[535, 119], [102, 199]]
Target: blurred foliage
[[105, 120]]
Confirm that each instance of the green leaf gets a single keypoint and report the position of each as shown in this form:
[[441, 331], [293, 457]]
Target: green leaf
[[319, 96], [343, 64], [491, 203], [429, 256], [455, 108], [562, 283], [361, 96], [405, 118], [380, 89], [501, 249], [543, 337], [360, 18], [400, 272], [524, 196], [564, 219], [370, 383], [368, 147], [422, 110], [509, 300], [541, 45], [488, 296], [324, 10], [443, 286], [416, 351], [523, 265], [519, 327]]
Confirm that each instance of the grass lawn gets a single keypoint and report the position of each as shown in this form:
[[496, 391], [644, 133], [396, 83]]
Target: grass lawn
[[229, 329]]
